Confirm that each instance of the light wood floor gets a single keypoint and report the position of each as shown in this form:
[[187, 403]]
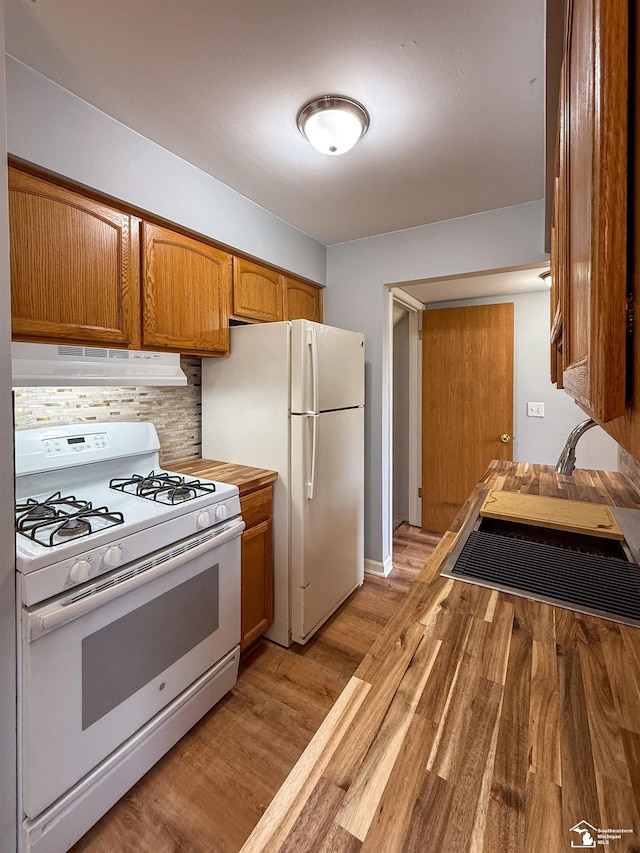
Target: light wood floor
[[209, 791]]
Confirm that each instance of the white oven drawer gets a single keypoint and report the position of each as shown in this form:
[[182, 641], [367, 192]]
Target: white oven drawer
[[91, 681]]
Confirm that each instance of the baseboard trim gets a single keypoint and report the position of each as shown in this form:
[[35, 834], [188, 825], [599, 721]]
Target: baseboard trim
[[375, 567]]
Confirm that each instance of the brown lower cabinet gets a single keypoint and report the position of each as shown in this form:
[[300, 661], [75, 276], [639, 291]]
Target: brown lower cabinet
[[257, 565], [256, 505]]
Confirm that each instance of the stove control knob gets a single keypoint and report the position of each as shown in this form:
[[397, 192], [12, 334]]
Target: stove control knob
[[221, 512], [112, 556], [203, 519], [80, 571]]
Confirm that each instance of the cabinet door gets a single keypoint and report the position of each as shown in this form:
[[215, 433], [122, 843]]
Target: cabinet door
[[257, 292], [594, 115], [302, 301], [557, 272], [257, 582], [74, 267], [186, 289], [626, 429]]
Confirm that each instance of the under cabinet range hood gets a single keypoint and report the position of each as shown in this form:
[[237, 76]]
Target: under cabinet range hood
[[65, 364]]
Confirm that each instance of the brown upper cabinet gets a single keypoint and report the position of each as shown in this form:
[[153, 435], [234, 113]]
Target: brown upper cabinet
[[78, 275], [74, 267], [596, 227], [84, 272], [591, 240], [257, 292], [186, 293], [302, 301]]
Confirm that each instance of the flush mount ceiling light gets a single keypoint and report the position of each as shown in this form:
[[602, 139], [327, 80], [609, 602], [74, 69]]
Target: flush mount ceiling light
[[333, 124], [546, 277]]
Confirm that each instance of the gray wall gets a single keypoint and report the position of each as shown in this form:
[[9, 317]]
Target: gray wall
[[357, 299], [49, 126], [541, 439], [7, 535]]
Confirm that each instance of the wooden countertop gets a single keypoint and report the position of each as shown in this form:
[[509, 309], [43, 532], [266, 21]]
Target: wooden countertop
[[247, 479], [478, 721]]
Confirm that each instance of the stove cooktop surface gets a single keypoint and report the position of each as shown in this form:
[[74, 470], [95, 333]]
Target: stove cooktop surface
[[83, 488], [53, 526]]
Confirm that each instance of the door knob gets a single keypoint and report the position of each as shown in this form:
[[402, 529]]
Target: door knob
[[505, 438]]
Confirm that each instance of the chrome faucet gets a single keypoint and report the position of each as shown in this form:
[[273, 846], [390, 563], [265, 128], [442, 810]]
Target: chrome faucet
[[567, 461]]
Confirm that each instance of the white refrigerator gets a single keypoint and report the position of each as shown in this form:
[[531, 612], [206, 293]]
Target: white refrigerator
[[290, 397]]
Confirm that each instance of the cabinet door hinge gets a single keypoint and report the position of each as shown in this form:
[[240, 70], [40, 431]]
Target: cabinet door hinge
[[419, 493], [631, 314], [420, 334]]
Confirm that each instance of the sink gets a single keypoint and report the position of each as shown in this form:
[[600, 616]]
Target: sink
[[593, 574]]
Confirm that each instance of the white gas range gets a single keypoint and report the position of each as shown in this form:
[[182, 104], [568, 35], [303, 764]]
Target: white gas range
[[129, 615]]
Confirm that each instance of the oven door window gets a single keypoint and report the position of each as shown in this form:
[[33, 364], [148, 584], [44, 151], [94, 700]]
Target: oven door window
[[125, 655]]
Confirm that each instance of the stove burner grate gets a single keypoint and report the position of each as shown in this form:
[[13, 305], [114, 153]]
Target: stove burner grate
[[58, 519], [55, 506], [162, 488]]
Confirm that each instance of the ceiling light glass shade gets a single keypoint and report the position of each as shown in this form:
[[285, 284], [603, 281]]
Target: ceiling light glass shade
[[333, 124], [546, 277]]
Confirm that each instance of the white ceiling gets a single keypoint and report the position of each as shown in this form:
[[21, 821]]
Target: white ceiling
[[455, 90], [495, 283]]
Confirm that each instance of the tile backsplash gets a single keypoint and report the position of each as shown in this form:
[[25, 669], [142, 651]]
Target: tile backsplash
[[630, 467], [175, 412]]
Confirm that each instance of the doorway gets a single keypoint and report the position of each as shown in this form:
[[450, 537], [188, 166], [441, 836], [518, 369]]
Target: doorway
[[405, 406], [467, 403], [401, 422]]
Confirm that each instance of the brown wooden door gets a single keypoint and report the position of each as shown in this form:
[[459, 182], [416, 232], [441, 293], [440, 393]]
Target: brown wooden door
[[257, 292], [74, 267], [593, 205], [467, 403], [186, 287], [302, 301]]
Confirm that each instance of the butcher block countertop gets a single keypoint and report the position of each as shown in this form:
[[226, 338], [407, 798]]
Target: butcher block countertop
[[478, 721], [247, 479]]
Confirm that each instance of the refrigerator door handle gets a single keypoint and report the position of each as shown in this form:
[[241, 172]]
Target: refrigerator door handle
[[311, 483], [312, 342]]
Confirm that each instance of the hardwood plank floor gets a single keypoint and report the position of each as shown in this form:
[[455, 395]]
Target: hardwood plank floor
[[209, 791]]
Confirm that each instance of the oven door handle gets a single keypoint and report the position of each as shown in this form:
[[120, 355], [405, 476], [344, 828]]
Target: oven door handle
[[45, 619]]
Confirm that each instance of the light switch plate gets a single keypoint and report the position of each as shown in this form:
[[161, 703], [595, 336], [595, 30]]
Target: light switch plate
[[535, 410]]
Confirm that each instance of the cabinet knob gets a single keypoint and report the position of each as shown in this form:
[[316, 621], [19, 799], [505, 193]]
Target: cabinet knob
[[505, 438]]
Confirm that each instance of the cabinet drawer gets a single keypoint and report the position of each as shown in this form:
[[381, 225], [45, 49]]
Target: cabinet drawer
[[256, 506]]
